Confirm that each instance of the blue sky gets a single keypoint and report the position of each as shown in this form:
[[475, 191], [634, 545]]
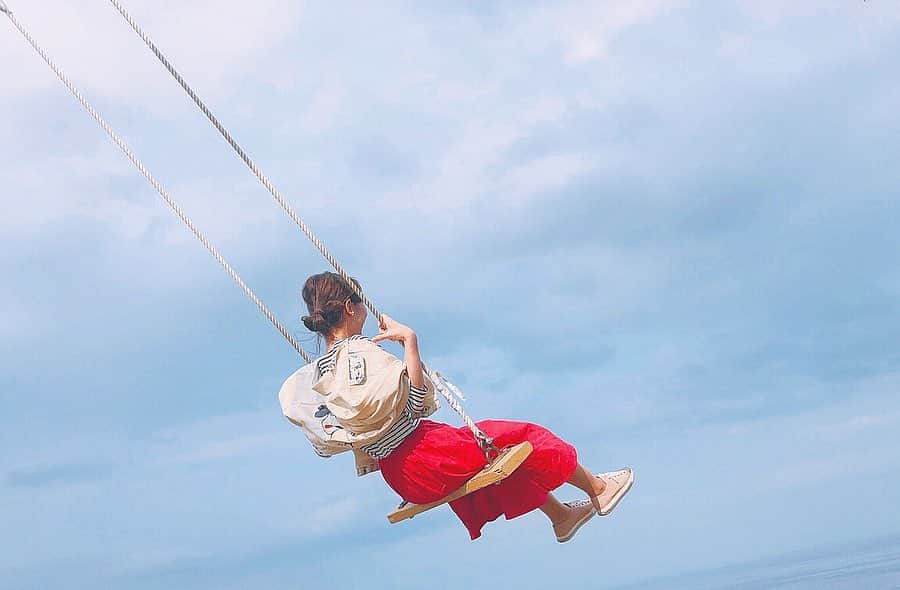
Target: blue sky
[[664, 229]]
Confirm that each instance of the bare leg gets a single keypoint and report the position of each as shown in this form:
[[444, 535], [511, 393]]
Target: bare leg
[[565, 520], [585, 481], [604, 497], [554, 510]]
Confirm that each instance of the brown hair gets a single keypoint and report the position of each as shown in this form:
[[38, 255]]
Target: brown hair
[[325, 295]]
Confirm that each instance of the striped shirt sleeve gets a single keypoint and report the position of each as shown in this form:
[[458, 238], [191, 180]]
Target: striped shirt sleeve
[[416, 402]]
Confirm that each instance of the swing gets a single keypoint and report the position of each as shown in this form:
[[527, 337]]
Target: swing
[[494, 472], [500, 464]]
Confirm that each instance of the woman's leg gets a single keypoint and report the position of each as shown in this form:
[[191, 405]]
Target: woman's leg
[[605, 491], [554, 509], [585, 481], [566, 519]]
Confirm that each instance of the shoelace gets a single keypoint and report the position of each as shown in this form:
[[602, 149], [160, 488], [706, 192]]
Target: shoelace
[[577, 503]]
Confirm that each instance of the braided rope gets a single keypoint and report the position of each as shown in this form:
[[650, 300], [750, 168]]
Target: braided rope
[[459, 394], [447, 389], [162, 192], [483, 440]]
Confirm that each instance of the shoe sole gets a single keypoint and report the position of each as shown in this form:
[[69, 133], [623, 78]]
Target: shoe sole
[[576, 526], [617, 497]]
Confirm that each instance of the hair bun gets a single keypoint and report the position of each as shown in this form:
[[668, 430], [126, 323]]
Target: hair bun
[[318, 321], [325, 295], [324, 318], [314, 322]]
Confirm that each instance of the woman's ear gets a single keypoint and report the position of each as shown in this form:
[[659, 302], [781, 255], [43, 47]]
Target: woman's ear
[[348, 307]]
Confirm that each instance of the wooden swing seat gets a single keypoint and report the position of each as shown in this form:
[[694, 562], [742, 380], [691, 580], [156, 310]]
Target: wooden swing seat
[[497, 470]]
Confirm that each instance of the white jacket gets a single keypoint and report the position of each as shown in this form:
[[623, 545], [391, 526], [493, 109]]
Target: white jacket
[[354, 404], [303, 406]]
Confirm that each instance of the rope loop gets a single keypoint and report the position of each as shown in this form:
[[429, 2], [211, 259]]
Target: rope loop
[[487, 447]]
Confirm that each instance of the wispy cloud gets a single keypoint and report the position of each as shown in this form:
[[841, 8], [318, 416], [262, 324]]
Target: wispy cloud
[[101, 54], [53, 475]]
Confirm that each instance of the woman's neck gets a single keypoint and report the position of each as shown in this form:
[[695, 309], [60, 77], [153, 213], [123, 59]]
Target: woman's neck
[[337, 335]]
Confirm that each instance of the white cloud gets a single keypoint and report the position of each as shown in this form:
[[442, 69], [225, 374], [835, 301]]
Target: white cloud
[[473, 167], [586, 29], [43, 192], [324, 109], [773, 12], [215, 44], [230, 448], [539, 176], [858, 423], [736, 44]]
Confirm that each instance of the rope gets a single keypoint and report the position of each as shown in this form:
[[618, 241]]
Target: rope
[[483, 440], [162, 192], [441, 385], [451, 386], [247, 160]]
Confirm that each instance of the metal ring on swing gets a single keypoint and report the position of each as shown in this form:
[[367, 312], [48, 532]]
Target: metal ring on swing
[[487, 446]]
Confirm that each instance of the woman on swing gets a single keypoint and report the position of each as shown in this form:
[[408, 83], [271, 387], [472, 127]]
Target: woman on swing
[[421, 460]]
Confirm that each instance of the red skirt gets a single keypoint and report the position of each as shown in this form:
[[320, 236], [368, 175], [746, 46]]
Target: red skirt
[[436, 459]]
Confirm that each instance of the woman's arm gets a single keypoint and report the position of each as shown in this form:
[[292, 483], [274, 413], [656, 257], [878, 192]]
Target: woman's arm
[[394, 330]]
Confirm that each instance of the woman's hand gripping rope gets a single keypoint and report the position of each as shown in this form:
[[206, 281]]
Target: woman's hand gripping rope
[[391, 329]]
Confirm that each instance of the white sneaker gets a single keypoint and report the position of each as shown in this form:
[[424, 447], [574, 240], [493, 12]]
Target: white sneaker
[[617, 485], [588, 513]]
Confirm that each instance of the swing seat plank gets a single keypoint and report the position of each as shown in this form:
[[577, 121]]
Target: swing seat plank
[[497, 470]]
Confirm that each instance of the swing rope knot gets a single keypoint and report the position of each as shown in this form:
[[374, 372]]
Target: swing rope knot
[[487, 447]]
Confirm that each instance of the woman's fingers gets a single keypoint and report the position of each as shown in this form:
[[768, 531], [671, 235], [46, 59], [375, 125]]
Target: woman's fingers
[[386, 322], [391, 333], [390, 329]]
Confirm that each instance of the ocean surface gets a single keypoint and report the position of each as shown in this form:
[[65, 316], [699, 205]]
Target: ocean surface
[[874, 565]]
